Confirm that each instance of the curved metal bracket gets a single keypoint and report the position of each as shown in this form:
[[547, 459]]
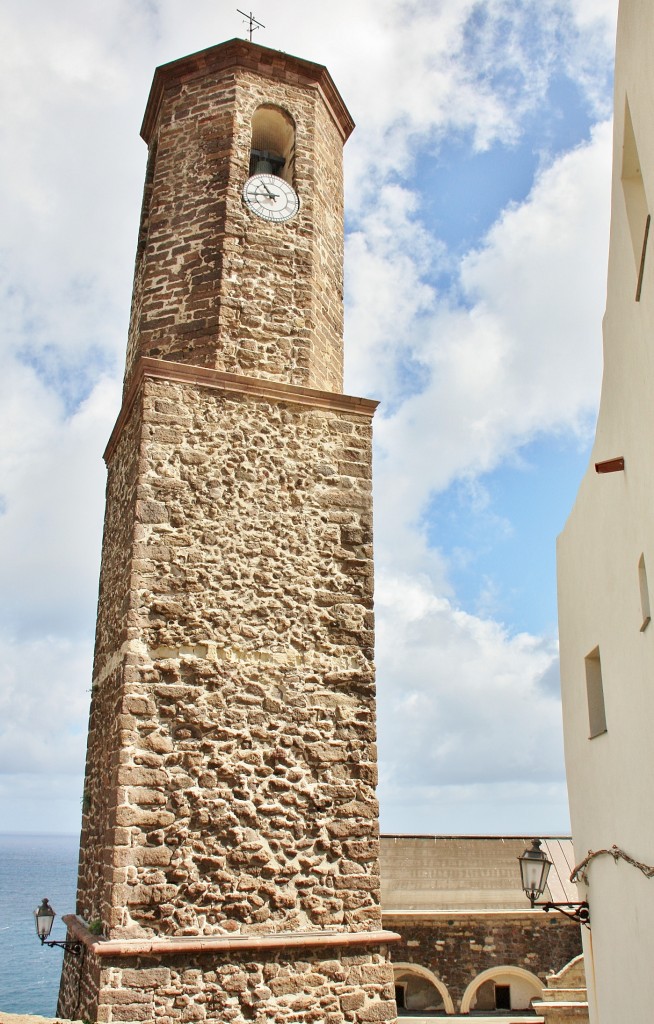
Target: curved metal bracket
[[579, 912], [71, 947]]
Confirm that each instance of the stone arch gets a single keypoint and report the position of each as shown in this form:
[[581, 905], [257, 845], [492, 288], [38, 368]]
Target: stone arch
[[272, 145], [423, 972], [498, 974]]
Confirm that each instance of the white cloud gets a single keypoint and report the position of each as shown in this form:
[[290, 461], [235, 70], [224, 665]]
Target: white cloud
[[52, 491], [597, 15], [496, 808], [44, 706], [464, 706], [389, 262], [43, 801]]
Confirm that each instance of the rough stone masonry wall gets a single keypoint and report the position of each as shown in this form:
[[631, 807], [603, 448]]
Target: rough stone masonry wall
[[112, 634], [302, 988], [245, 794], [326, 194], [214, 284], [240, 777], [459, 948]]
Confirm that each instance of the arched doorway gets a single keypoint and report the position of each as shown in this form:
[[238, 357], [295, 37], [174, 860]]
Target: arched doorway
[[418, 990], [500, 989]]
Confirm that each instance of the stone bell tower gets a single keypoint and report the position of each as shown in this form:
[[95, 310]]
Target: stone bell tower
[[229, 855]]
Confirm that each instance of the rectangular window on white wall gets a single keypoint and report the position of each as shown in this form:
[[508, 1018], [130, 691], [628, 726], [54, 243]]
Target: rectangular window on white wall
[[644, 593], [595, 693]]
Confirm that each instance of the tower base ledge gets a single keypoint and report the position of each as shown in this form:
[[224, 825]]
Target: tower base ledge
[[174, 945], [255, 387]]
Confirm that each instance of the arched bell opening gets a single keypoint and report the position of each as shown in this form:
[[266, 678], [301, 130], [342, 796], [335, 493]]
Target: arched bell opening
[[272, 150]]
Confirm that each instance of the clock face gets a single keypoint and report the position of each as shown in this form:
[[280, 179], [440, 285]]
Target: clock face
[[271, 197]]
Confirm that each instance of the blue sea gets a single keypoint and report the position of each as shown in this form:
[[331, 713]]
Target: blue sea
[[31, 867]]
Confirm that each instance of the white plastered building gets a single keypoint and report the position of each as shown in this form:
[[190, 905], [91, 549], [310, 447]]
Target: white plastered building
[[606, 576]]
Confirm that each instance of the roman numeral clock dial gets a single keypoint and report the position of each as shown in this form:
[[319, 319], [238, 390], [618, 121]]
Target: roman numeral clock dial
[[270, 197]]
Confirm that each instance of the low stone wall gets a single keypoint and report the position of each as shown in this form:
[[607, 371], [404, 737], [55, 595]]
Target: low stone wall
[[565, 1000], [304, 986], [457, 948]]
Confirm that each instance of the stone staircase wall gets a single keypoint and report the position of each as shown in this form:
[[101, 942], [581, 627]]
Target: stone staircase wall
[[565, 998]]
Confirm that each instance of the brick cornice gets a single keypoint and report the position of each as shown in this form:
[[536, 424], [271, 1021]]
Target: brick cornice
[[255, 387], [221, 943], [239, 53]]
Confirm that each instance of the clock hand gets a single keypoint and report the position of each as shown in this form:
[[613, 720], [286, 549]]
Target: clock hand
[[273, 195]]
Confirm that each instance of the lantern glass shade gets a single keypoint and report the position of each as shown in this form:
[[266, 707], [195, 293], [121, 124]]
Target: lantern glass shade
[[534, 869], [43, 918]]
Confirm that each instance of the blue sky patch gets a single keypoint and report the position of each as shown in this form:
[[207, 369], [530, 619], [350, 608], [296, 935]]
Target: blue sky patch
[[499, 533]]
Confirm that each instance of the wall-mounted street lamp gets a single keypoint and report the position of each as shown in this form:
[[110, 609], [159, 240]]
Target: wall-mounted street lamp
[[43, 919], [534, 869]]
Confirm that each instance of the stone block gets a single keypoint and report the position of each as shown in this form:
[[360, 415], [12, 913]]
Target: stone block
[[353, 1001], [126, 815], [146, 977], [131, 1012], [121, 996]]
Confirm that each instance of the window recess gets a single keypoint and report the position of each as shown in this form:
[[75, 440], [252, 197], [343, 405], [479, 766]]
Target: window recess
[[635, 198], [644, 594], [595, 694]]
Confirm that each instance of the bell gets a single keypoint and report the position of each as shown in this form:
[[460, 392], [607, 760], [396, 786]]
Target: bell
[[263, 165], [266, 162]]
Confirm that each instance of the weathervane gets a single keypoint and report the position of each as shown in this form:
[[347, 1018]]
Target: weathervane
[[254, 24]]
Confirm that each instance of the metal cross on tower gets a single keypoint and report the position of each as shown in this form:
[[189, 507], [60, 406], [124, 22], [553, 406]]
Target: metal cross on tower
[[254, 24]]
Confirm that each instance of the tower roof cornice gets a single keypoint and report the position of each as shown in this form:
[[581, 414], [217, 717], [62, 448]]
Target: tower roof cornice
[[239, 53]]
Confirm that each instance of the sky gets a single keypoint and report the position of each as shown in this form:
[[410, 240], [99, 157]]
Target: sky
[[477, 217]]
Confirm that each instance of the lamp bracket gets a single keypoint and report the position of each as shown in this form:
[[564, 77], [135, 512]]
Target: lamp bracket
[[71, 947], [579, 912]]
